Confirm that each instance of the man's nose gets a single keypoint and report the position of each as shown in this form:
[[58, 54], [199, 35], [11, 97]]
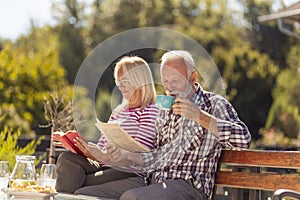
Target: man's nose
[[170, 86]]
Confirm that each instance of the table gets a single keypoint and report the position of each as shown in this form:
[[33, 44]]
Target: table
[[64, 196], [58, 196]]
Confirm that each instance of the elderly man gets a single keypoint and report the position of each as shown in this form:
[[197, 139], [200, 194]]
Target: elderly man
[[189, 140]]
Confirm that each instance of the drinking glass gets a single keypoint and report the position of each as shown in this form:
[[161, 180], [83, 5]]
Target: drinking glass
[[4, 177], [48, 175]]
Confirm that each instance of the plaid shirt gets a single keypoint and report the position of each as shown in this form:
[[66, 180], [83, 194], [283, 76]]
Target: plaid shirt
[[186, 150]]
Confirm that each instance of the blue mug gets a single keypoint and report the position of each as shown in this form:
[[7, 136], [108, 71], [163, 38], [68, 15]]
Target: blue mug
[[164, 101]]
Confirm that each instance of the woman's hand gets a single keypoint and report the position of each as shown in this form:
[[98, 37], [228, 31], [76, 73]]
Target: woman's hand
[[121, 157], [91, 150], [57, 139], [118, 156]]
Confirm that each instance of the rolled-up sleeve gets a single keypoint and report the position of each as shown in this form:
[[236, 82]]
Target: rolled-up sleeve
[[230, 128], [236, 134]]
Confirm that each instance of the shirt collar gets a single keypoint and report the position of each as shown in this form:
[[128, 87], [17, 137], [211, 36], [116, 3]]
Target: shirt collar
[[198, 93]]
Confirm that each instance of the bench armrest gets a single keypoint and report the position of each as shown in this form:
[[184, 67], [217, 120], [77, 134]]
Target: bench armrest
[[280, 193]]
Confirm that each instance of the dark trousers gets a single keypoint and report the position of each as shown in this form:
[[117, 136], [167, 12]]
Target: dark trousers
[[75, 171], [134, 188]]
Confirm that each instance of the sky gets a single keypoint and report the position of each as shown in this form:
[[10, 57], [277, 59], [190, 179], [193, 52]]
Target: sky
[[15, 16]]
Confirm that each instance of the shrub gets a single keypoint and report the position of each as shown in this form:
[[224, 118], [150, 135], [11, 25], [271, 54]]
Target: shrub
[[9, 147]]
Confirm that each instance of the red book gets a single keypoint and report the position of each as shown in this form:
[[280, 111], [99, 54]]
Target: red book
[[68, 141]]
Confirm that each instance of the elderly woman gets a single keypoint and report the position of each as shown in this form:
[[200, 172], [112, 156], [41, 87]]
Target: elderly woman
[[136, 115]]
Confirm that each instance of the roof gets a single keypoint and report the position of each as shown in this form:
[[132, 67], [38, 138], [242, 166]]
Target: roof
[[290, 14]]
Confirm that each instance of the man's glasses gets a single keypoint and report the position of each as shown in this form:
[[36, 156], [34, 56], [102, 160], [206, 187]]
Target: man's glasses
[[124, 82]]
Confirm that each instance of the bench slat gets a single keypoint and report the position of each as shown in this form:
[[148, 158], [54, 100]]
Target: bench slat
[[267, 181], [278, 159]]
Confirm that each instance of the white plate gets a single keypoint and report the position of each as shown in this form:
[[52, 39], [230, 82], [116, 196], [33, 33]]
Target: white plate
[[28, 195]]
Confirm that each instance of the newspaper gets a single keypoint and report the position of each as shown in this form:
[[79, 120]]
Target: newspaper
[[116, 135]]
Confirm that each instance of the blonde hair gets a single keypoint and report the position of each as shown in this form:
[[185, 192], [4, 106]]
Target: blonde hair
[[139, 73]]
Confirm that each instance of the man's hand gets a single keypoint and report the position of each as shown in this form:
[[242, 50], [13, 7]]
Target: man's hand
[[187, 109]]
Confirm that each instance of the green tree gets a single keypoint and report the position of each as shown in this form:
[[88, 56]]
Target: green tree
[[27, 72], [266, 37], [70, 22], [245, 54], [249, 77], [106, 101], [111, 17], [284, 114], [97, 26], [248, 74]]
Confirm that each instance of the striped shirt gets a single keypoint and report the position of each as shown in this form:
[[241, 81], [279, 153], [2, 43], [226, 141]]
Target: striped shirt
[[138, 123], [186, 150]]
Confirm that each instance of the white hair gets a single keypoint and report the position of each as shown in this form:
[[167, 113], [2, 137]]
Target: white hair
[[187, 57]]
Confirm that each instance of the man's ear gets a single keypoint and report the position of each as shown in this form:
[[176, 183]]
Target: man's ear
[[194, 77]]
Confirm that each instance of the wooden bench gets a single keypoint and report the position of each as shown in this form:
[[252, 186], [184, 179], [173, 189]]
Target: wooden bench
[[258, 170]]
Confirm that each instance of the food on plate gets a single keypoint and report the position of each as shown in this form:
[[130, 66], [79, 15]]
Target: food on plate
[[30, 186]]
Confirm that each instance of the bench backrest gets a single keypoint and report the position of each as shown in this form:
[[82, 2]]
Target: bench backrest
[[259, 170]]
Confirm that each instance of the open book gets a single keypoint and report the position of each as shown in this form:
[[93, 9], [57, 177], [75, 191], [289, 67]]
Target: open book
[[116, 135], [67, 139]]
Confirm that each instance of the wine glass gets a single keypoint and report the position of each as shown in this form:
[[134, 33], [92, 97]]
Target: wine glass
[[48, 175], [4, 176]]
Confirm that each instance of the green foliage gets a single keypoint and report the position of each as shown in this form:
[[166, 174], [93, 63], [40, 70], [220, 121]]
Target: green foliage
[[248, 74], [250, 56], [266, 37], [72, 50], [249, 77], [275, 138], [284, 114], [9, 148], [83, 111], [104, 105], [106, 101], [70, 35], [27, 72]]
